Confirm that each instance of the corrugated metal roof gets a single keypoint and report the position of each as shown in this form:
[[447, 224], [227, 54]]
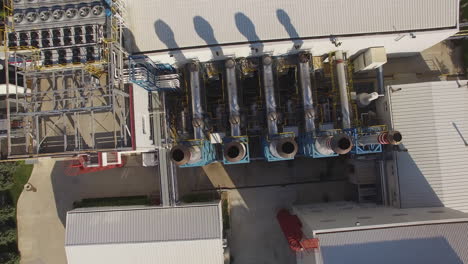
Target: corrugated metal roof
[[139, 225], [158, 25], [433, 118], [425, 244], [208, 251]]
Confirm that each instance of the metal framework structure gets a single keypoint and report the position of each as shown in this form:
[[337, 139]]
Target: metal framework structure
[[69, 108]]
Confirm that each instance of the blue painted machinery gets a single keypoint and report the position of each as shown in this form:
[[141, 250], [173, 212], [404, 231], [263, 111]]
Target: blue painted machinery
[[370, 139], [193, 153], [236, 150], [325, 144], [279, 147]]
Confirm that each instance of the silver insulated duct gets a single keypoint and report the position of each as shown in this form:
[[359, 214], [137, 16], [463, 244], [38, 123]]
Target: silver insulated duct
[[307, 99], [234, 115], [328, 145], [181, 154], [342, 85], [197, 109], [234, 151], [285, 148], [384, 138], [269, 91]]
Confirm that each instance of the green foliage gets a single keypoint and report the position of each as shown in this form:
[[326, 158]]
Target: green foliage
[[200, 197], [7, 235], [112, 201], [6, 213], [225, 211], [7, 170], [20, 178], [9, 258]]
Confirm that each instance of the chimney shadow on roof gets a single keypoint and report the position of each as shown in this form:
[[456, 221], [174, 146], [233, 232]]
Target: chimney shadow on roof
[[205, 32], [166, 35], [247, 28], [129, 42], [285, 20]]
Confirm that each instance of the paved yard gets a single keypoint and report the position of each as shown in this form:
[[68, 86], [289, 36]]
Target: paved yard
[[41, 214], [264, 188]]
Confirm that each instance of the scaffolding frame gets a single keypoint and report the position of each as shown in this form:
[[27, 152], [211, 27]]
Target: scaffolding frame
[[68, 109]]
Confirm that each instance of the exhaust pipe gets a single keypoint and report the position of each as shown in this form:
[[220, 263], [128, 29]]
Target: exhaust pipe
[[308, 101], [285, 148], [234, 116], [197, 109], [384, 138], [268, 86], [342, 84], [235, 151], [328, 145], [182, 155]]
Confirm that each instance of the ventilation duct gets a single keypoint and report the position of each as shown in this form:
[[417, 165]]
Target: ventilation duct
[[384, 138], [84, 11], [44, 15], [328, 145], [182, 155]]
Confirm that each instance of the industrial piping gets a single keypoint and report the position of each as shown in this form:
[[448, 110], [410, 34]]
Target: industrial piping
[[329, 145], [342, 84], [268, 85], [307, 99], [384, 138], [234, 151], [283, 148], [181, 154]]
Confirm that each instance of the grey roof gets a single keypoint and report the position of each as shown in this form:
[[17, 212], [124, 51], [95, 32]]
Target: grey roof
[[424, 244], [433, 119], [147, 224], [159, 25]]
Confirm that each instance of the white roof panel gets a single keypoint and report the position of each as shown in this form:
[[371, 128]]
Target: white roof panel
[[160, 25], [424, 244], [433, 118], [146, 224], [145, 235]]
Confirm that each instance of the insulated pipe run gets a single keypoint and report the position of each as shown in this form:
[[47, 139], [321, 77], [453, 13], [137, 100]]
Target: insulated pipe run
[[197, 110], [285, 148], [235, 151], [364, 99], [384, 138], [307, 99], [182, 155], [234, 115], [268, 86], [329, 145], [342, 84]]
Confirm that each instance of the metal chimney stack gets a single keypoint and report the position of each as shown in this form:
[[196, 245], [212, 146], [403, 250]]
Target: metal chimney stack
[[234, 151], [282, 148], [307, 99], [328, 145], [342, 84], [181, 154], [384, 138]]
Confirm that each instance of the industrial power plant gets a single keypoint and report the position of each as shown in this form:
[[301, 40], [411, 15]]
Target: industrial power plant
[[209, 132], [274, 108]]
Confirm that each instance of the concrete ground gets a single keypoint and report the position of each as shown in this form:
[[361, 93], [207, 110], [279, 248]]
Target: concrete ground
[[41, 213], [443, 61], [262, 189]]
